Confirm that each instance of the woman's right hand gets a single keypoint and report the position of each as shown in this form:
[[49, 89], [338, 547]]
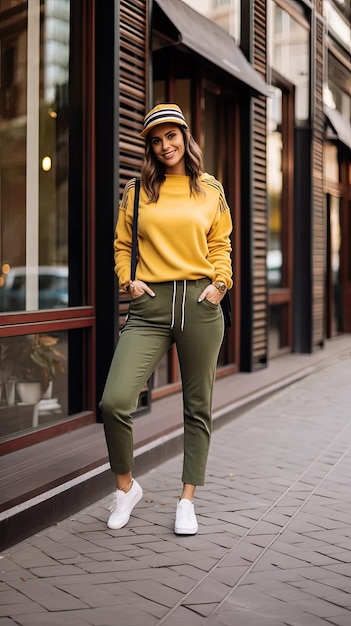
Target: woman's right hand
[[138, 287]]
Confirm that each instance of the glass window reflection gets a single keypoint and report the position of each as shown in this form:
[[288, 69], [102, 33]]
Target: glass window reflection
[[225, 13], [34, 104], [33, 381], [290, 57]]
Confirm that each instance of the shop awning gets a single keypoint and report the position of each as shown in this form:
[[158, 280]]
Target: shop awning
[[211, 42], [340, 128]]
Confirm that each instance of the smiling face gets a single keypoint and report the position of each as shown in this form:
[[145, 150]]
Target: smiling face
[[167, 142]]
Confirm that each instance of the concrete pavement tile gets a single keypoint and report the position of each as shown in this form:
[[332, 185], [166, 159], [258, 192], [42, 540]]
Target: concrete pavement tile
[[247, 550], [188, 570], [329, 510], [49, 619], [7, 565], [155, 592], [338, 552], [318, 559], [180, 583], [341, 620], [283, 591], [108, 566], [11, 597], [135, 552], [220, 539], [81, 578], [28, 556], [94, 596], [338, 582], [161, 560], [128, 615], [182, 616], [312, 572], [306, 620], [277, 518], [276, 559], [242, 617], [10, 576], [327, 523], [146, 529], [160, 547], [250, 598], [203, 609], [341, 598], [56, 570], [265, 528], [200, 561], [340, 568], [228, 575], [208, 590], [53, 549], [7, 621], [275, 574], [259, 540], [26, 607], [320, 608], [53, 599], [313, 587], [106, 555]]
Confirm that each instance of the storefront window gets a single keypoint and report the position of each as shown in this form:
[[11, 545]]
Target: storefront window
[[34, 154], [290, 57]]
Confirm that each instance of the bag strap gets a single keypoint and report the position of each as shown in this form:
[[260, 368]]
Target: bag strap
[[135, 229]]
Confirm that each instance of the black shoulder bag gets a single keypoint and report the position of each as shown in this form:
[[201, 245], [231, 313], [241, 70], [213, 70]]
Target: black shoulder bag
[[225, 302]]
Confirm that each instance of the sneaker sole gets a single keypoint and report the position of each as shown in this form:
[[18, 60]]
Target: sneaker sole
[[135, 501], [185, 531]]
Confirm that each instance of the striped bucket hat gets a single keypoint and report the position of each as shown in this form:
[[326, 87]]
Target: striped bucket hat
[[161, 114]]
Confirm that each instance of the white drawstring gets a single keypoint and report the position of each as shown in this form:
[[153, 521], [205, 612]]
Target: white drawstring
[[173, 302], [182, 323], [183, 306]]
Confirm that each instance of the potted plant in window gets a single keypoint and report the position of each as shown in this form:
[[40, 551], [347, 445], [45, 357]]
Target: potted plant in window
[[7, 377], [35, 360]]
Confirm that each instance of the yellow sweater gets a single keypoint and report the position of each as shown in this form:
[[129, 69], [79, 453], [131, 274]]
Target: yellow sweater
[[180, 237]]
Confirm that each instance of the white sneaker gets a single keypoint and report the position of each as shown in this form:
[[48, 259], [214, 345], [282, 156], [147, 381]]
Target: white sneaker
[[185, 521], [123, 504]]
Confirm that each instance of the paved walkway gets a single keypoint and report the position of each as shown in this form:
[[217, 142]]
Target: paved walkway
[[274, 541]]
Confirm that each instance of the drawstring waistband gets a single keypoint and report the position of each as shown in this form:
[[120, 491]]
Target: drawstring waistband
[[182, 323]]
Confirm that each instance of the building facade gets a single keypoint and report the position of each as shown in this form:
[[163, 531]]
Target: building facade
[[266, 87]]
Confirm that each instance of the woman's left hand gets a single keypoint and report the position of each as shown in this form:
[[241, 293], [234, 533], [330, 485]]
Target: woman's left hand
[[212, 294]]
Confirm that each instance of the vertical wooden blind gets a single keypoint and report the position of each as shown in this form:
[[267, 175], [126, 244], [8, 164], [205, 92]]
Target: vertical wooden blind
[[133, 64], [318, 197], [259, 352]]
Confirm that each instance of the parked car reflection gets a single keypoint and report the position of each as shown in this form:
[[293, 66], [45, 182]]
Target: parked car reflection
[[274, 268], [53, 288]]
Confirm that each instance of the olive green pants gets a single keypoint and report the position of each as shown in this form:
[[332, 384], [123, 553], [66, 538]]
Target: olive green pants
[[174, 315]]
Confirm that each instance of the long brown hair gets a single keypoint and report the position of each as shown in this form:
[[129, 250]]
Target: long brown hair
[[153, 171]]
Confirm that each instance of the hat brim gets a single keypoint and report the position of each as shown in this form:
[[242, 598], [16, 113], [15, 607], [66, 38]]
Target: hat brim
[[165, 120]]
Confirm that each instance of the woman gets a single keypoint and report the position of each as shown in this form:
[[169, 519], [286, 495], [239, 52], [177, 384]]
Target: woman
[[183, 272]]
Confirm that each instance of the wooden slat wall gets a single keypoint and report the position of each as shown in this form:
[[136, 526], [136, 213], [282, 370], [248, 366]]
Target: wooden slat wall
[[318, 197], [260, 320], [133, 55]]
